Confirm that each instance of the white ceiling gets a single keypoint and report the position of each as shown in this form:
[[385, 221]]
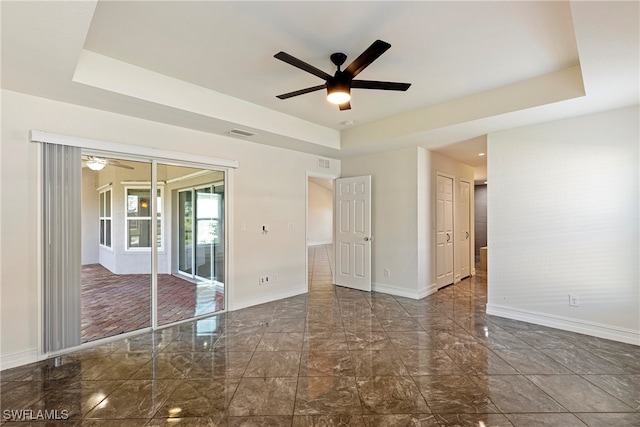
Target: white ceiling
[[475, 67]]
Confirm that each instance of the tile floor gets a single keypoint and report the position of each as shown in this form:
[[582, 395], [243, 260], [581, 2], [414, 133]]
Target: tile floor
[[338, 357]]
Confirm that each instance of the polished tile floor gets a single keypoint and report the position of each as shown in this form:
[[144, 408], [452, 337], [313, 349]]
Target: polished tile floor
[[338, 357]]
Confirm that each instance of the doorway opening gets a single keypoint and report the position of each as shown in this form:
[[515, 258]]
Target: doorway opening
[[319, 231]]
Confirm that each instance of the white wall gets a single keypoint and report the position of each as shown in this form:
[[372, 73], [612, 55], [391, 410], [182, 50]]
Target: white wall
[[90, 228], [563, 212], [268, 188], [394, 216], [320, 214]]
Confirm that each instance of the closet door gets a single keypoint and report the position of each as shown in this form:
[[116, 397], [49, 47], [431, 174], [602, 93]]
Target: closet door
[[465, 229], [444, 231]]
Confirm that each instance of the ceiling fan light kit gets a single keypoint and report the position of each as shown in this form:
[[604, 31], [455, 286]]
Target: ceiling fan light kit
[[340, 84], [338, 92], [96, 164]]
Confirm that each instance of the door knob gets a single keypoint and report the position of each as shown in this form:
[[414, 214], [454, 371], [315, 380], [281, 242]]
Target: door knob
[[366, 239]]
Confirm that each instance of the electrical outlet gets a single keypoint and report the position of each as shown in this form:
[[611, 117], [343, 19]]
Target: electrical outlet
[[387, 272], [574, 300], [264, 280]]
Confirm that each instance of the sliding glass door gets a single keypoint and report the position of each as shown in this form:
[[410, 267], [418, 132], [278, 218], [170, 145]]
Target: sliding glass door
[[148, 257]]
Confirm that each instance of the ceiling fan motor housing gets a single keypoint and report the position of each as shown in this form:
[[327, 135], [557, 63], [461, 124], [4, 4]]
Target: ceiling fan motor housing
[[338, 59]]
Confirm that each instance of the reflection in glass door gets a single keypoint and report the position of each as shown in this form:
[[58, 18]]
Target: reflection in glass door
[[185, 232], [196, 261], [201, 233], [207, 213]]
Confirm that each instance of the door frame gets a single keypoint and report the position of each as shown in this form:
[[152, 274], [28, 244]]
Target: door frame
[[332, 177]]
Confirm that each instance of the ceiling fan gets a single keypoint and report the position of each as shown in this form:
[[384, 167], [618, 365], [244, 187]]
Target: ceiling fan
[[340, 84], [98, 163]]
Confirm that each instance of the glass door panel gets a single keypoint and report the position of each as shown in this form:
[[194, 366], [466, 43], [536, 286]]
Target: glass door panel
[[191, 277], [116, 249]]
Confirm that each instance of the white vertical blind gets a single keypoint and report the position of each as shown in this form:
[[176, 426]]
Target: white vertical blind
[[62, 245]]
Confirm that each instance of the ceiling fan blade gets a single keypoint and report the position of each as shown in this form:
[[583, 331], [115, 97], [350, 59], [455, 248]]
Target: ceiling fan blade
[[345, 106], [302, 65], [372, 53], [372, 84], [122, 166], [118, 164], [301, 91]]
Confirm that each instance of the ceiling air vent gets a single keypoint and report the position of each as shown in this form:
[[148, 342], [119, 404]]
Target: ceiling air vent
[[324, 163], [241, 133]]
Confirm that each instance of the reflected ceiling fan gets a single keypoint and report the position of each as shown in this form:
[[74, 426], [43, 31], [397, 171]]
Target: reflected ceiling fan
[[98, 163], [340, 84]]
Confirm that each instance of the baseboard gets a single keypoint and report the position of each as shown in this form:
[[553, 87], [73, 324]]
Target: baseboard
[[20, 358], [402, 292], [599, 330], [425, 292], [262, 299]]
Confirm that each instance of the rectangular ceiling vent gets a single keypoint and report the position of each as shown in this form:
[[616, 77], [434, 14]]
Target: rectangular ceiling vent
[[241, 133], [324, 163]]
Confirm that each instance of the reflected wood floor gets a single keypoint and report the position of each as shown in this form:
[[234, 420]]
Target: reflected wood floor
[[340, 357], [116, 303]]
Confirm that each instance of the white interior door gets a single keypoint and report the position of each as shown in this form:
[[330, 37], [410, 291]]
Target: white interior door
[[465, 223], [353, 232], [444, 231]]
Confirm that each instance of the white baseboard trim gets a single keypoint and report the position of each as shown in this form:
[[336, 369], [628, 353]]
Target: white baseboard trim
[[262, 299], [599, 330], [425, 292], [20, 358], [403, 292]]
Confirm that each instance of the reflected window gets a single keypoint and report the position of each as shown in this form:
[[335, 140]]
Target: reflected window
[[138, 214], [104, 199], [201, 232]]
